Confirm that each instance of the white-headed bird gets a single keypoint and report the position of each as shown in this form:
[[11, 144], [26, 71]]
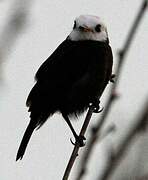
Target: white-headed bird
[[74, 76]]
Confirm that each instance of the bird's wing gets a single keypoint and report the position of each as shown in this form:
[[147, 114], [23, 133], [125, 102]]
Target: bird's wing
[[60, 70], [51, 64]]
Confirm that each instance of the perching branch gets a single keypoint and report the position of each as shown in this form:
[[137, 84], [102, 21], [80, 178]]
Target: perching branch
[[115, 157], [121, 58], [77, 145]]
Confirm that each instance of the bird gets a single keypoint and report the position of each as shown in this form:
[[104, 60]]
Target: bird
[[72, 78]]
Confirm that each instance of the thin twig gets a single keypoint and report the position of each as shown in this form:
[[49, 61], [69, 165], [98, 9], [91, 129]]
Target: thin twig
[[121, 58], [77, 145], [115, 157]]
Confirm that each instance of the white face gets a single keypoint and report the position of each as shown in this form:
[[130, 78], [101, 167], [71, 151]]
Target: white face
[[88, 27]]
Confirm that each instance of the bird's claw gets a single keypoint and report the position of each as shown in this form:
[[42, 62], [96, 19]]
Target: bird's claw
[[79, 140], [72, 142], [96, 107], [112, 78], [98, 110]]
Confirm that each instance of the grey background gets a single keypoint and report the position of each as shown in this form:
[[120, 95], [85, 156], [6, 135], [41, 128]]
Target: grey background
[[49, 149]]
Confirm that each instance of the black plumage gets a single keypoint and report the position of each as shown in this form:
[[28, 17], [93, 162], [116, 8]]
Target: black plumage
[[74, 76], [70, 79]]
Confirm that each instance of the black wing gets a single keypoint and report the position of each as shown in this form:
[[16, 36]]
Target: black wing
[[61, 70], [52, 63]]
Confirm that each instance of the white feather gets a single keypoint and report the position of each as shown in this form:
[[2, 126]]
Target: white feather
[[90, 22]]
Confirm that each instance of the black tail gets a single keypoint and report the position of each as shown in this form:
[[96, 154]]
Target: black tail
[[25, 141]]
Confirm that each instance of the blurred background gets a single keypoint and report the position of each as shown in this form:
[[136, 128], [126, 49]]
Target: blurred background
[[29, 32]]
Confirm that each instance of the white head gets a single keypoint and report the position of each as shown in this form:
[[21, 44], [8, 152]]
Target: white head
[[88, 27]]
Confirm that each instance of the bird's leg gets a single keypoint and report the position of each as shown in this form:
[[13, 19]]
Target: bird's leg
[[96, 105], [79, 139]]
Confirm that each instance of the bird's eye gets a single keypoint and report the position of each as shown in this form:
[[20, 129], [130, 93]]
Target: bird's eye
[[98, 28], [74, 26]]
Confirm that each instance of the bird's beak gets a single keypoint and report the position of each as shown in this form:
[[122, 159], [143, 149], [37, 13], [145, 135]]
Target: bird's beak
[[85, 29]]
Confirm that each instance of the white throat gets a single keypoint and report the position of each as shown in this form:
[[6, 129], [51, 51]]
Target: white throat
[[76, 35]]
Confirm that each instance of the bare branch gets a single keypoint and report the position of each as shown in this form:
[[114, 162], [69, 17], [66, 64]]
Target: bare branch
[[121, 58], [115, 157]]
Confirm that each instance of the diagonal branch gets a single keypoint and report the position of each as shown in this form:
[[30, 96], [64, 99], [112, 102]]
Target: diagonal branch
[[77, 145], [115, 157], [121, 58]]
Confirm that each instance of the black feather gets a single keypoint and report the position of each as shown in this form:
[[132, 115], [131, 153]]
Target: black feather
[[25, 141], [73, 76]]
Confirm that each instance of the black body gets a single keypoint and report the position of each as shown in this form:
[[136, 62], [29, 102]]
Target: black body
[[72, 77]]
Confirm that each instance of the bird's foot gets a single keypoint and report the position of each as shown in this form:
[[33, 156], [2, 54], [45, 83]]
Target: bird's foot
[[96, 106], [98, 109], [79, 140], [112, 78]]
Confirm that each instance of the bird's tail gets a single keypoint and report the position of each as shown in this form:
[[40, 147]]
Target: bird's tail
[[25, 140]]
